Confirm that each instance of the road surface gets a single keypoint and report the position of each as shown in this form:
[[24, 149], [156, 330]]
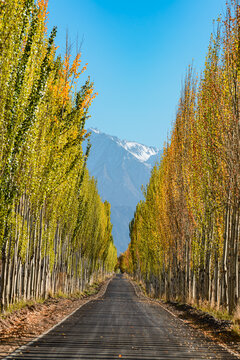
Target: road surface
[[122, 326]]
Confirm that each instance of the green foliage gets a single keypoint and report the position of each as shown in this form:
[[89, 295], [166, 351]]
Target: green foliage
[[55, 232]]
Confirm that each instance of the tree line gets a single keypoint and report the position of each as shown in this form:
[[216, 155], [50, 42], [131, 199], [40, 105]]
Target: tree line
[[55, 232], [185, 234]]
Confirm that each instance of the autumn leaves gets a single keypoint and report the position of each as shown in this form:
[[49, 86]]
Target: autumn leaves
[[185, 234]]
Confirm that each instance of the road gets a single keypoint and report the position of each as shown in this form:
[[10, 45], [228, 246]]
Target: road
[[122, 326]]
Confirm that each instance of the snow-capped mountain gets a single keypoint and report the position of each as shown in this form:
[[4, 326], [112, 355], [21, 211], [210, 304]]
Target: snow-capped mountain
[[121, 168], [141, 152]]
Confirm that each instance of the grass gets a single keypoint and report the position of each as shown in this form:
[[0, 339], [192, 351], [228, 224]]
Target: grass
[[90, 290], [221, 313], [19, 306], [236, 329], [236, 321]]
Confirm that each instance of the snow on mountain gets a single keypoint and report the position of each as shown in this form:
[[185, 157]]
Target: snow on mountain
[[121, 168], [141, 152]]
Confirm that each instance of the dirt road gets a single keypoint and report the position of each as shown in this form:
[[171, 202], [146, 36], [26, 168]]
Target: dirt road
[[122, 326]]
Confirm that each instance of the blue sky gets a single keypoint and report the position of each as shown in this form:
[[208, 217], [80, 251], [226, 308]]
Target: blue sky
[[137, 54]]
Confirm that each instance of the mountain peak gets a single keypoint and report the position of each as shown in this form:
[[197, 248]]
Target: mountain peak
[[139, 151], [95, 130], [121, 167]]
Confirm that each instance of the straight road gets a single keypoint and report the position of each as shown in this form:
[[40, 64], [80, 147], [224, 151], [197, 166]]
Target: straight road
[[122, 326]]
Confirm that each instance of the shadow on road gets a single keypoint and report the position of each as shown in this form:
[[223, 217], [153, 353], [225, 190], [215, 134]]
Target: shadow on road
[[120, 325]]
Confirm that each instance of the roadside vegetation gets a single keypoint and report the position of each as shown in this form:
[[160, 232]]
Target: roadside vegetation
[[55, 232], [185, 234]]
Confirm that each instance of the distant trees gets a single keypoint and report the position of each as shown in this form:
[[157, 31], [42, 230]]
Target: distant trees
[[185, 234], [55, 232]]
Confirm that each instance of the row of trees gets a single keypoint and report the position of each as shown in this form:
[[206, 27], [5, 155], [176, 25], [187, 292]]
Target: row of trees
[[185, 234], [55, 232]]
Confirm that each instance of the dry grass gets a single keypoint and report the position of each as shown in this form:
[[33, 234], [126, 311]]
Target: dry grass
[[90, 290], [219, 313], [20, 305]]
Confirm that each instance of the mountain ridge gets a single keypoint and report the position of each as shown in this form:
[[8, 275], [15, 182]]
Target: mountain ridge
[[120, 167]]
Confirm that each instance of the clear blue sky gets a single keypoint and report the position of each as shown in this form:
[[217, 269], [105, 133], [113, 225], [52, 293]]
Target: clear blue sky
[[137, 53]]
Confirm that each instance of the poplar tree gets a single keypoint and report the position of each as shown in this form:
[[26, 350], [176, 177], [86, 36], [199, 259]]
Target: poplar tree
[[55, 232], [185, 234]]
